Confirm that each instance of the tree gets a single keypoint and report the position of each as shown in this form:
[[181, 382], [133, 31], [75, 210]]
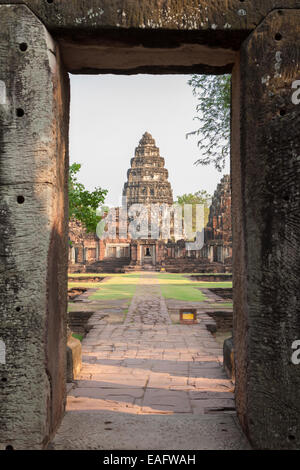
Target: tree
[[213, 93], [200, 197], [83, 204]]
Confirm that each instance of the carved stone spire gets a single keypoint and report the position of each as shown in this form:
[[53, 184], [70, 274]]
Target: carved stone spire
[[147, 178]]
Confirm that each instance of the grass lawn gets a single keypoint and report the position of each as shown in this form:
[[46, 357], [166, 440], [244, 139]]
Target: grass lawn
[[208, 285], [116, 287], [208, 274], [224, 305], [77, 336], [179, 287], [87, 275], [122, 286]]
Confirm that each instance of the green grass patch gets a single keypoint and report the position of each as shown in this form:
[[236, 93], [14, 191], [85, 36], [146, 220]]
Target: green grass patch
[[179, 287], [118, 287], [223, 305], [208, 285], [173, 286], [87, 275], [77, 336], [209, 274]]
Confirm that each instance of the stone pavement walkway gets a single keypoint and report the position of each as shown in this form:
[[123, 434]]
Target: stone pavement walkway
[[150, 384], [148, 305]]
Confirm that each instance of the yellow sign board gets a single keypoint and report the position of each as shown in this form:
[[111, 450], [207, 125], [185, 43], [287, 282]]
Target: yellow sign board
[[188, 316]]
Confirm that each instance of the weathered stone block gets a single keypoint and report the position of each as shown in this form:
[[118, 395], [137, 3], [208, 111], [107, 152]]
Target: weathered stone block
[[33, 230], [266, 232], [74, 358], [228, 358]]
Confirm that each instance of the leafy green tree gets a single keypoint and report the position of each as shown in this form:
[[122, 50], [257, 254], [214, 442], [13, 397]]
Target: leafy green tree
[[200, 197], [213, 93], [83, 204]]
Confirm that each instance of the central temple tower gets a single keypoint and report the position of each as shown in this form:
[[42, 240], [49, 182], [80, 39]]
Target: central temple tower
[[147, 179]]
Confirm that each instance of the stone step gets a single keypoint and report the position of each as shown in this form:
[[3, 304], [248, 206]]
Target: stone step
[[124, 431]]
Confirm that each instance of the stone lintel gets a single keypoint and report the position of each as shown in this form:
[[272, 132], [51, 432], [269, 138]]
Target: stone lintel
[[142, 36]]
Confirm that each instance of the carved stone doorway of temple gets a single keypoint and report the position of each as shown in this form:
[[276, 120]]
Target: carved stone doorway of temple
[[148, 255], [215, 258]]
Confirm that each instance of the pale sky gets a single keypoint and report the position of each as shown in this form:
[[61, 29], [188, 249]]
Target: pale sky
[[110, 113]]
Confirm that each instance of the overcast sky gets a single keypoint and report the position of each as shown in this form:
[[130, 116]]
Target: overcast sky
[[110, 113]]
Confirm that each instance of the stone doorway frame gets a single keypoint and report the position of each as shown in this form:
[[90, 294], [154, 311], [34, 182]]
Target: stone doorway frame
[[152, 250], [256, 42]]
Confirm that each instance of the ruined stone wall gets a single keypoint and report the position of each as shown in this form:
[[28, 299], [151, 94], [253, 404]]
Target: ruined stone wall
[[219, 225], [85, 244]]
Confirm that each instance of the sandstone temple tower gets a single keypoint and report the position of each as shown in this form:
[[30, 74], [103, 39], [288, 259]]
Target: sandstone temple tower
[[147, 178], [147, 183]]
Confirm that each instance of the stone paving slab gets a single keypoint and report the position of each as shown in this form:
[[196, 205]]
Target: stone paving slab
[[148, 305], [94, 430], [152, 379], [212, 405]]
